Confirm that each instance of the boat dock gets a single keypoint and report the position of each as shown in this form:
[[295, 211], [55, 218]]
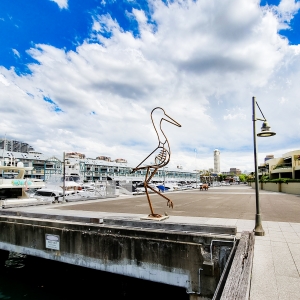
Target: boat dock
[[184, 250]]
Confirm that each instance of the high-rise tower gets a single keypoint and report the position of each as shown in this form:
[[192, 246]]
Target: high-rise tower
[[216, 161]]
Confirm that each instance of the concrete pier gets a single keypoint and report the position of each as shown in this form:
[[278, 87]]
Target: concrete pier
[[183, 255]]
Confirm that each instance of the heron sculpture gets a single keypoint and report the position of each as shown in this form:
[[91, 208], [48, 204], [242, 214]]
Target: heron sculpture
[[161, 157]]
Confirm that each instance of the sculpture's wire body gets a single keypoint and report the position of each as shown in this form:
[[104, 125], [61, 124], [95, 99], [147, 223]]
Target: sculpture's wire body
[[161, 155]]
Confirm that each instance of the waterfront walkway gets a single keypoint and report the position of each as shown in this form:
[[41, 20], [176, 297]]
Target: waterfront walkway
[[276, 262]]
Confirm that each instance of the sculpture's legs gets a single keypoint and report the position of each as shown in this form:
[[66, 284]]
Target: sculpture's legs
[[146, 186], [169, 203]]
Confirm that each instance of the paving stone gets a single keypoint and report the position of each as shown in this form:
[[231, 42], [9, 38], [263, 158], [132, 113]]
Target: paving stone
[[264, 295], [288, 296], [288, 284], [280, 244], [263, 242], [286, 268]]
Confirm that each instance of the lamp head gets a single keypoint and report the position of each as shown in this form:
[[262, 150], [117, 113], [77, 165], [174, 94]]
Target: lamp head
[[265, 130]]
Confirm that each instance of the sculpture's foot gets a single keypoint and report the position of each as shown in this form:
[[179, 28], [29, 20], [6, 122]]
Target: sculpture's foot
[[154, 216], [170, 203]]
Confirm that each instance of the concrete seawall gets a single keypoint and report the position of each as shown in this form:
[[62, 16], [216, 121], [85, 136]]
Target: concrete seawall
[[176, 254]]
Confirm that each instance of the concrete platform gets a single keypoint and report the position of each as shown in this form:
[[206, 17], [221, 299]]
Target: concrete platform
[[276, 263]]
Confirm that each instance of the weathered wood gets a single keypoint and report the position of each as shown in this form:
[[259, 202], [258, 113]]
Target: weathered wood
[[222, 281], [237, 285]]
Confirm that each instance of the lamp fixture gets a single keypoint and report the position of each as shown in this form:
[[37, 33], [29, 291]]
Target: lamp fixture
[[265, 130]]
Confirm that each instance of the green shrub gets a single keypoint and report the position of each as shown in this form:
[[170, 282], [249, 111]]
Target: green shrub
[[282, 180]]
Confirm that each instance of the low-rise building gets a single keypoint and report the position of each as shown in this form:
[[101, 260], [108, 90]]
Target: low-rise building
[[105, 158], [88, 168], [121, 160], [287, 166], [235, 171]]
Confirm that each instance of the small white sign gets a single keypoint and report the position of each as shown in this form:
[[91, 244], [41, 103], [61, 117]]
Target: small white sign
[[52, 241]]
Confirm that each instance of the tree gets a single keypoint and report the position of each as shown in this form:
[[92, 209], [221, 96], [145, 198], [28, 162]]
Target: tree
[[243, 177], [222, 177]]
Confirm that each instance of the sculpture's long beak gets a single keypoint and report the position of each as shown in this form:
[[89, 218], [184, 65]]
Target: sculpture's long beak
[[172, 121]]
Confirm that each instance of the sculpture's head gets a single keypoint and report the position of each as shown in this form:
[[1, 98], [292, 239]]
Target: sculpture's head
[[166, 117]]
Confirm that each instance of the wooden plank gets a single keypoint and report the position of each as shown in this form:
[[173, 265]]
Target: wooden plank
[[223, 278], [244, 291], [237, 285]]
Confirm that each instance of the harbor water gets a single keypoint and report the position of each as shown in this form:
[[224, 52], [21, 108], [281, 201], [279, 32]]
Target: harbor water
[[31, 278]]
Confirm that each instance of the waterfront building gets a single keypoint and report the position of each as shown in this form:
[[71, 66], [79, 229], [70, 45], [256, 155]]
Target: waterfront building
[[33, 159], [286, 166], [95, 169], [217, 161], [88, 168]]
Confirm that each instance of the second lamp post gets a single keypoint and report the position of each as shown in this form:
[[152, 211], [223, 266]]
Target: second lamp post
[[265, 132]]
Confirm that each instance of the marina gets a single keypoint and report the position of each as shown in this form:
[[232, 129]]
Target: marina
[[22, 183]]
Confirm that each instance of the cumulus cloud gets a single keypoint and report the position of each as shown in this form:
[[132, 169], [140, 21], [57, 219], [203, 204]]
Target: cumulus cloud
[[61, 3], [287, 9], [202, 61]]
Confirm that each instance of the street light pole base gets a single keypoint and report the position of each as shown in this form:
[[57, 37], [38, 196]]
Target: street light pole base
[[258, 230]]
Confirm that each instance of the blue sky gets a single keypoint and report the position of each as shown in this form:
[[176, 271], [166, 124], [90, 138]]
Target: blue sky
[[86, 74], [24, 24]]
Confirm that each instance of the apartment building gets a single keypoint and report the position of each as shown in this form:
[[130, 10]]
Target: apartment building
[[15, 146]]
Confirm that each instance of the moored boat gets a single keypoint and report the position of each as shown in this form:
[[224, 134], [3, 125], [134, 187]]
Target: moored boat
[[13, 189]]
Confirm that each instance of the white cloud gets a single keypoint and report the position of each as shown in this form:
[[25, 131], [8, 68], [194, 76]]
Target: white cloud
[[202, 62], [287, 9], [284, 12], [16, 52], [283, 100], [61, 3], [3, 80], [235, 116]]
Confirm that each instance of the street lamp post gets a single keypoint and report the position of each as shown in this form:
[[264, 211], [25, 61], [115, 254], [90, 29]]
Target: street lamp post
[[64, 177], [265, 132], [165, 177]]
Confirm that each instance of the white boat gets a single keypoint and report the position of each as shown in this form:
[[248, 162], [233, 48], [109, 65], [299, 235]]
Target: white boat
[[169, 186], [13, 189], [224, 183], [71, 189], [196, 185]]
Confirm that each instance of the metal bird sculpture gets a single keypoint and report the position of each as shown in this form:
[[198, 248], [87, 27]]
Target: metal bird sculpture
[[161, 156]]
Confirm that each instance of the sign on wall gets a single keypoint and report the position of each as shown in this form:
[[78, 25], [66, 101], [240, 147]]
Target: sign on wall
[[52, 241]]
